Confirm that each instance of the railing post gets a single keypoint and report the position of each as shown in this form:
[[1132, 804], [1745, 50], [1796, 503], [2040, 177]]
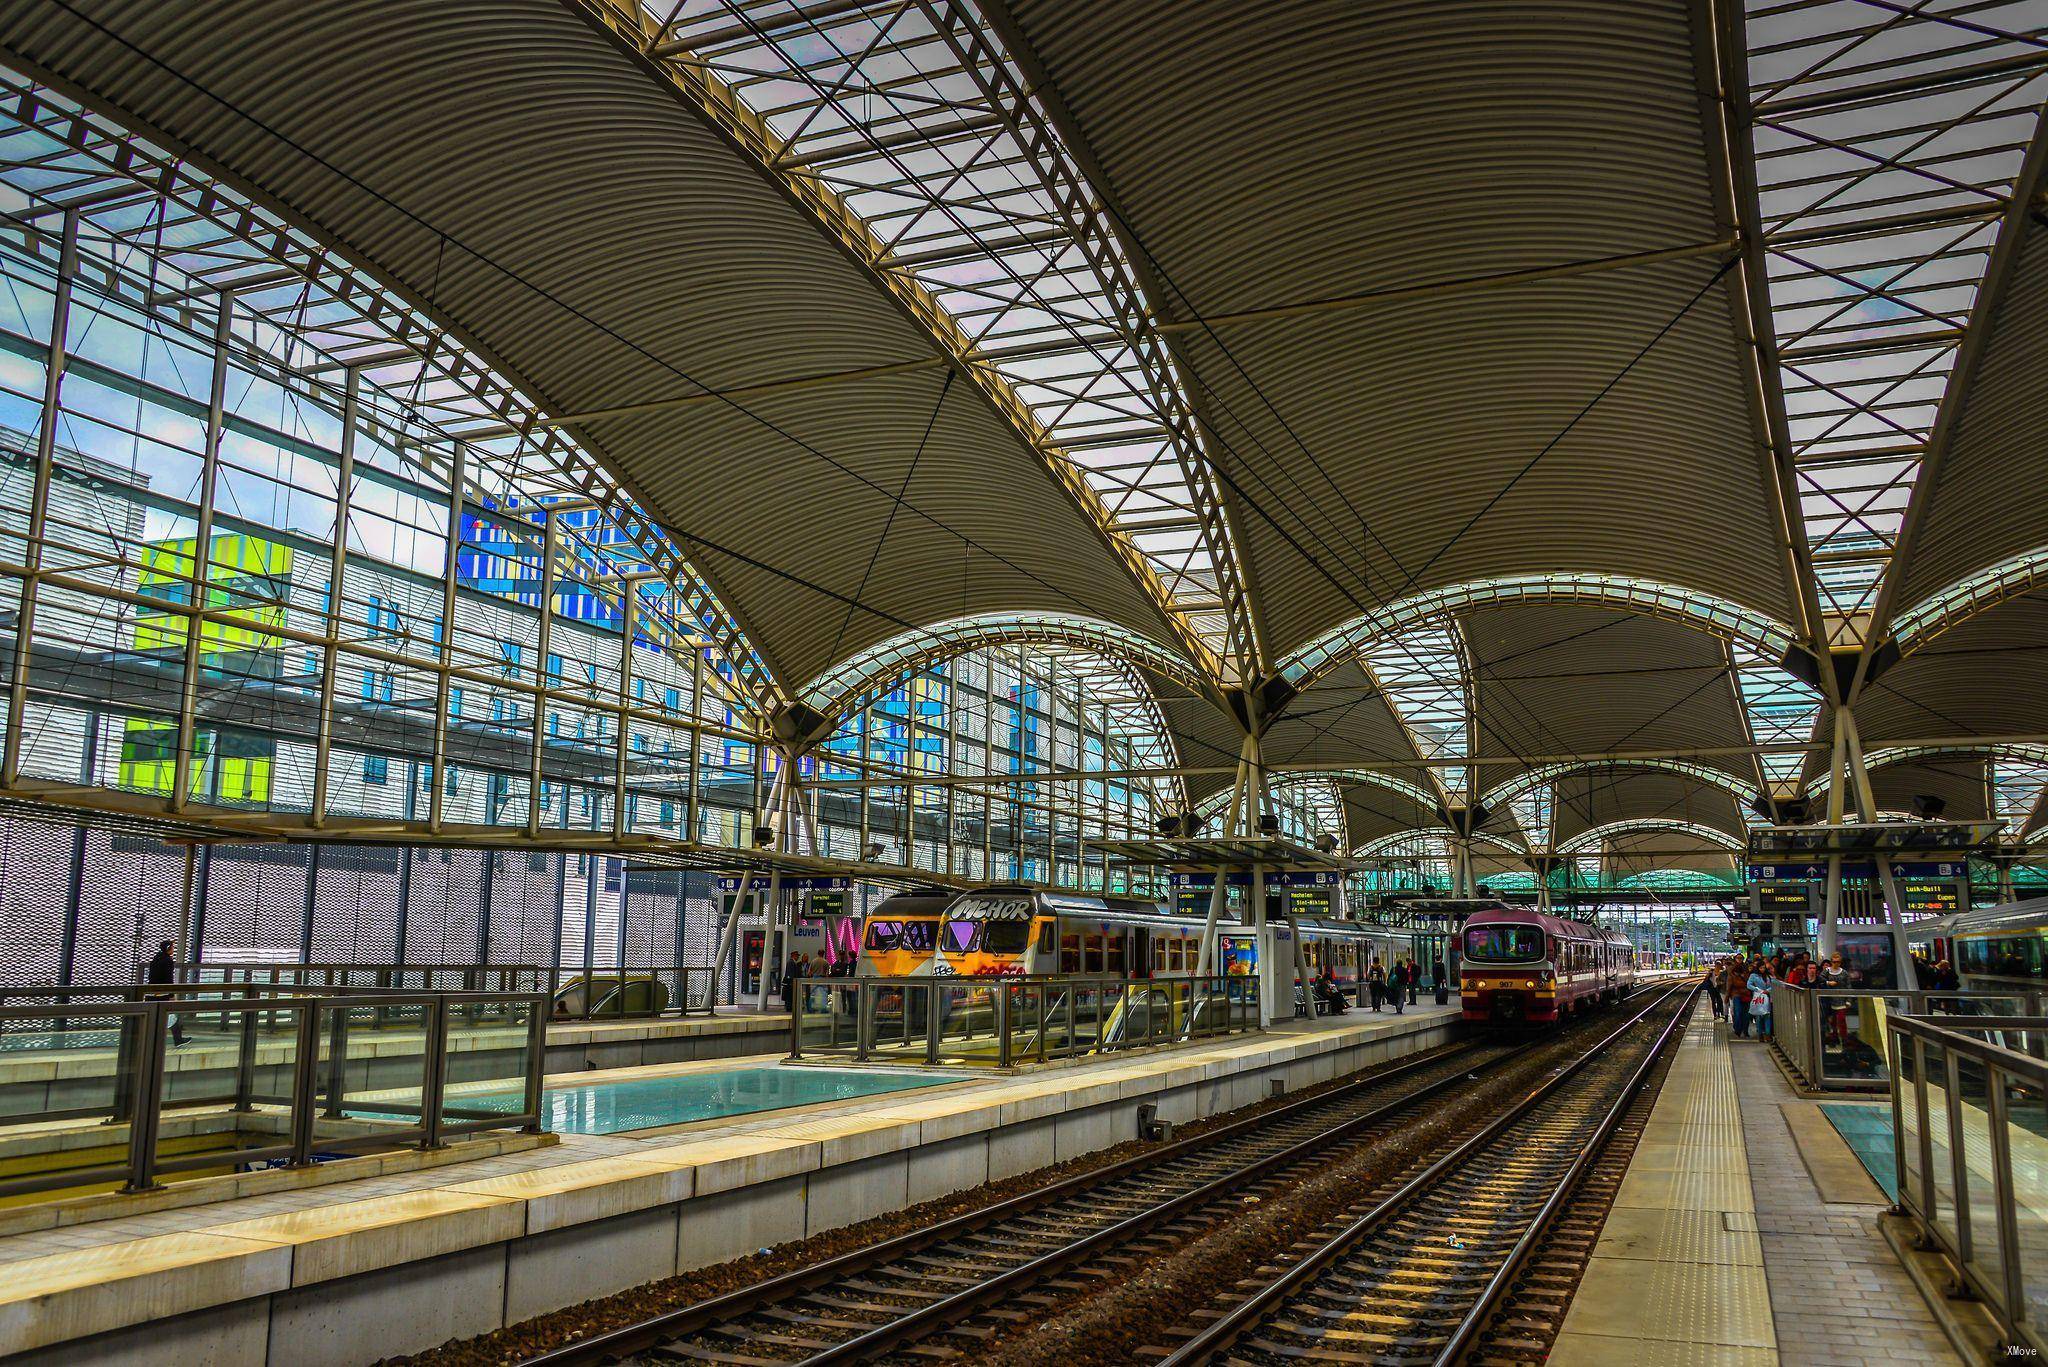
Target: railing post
[[1894, 1045], [1958, 1170], [434, 1084], [931, 1023], [1926, 1154], [305, 1079], [245, 1062], [2005, 1198], [337, 1056], [796, 1021], [1002, 1023], [147, 1110], [536, 1058]]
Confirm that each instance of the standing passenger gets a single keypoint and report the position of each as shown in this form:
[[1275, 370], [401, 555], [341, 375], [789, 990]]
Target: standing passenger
[[1736, 985], [792, 969], [1397, 985], [162, 970], [1714, 989], [1376, 981], [1760, 998]]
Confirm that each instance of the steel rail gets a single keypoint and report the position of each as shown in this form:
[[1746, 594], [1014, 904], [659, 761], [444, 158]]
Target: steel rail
[[1223, 1332], [617, 1343], [927, 1319], [1498, 1285]]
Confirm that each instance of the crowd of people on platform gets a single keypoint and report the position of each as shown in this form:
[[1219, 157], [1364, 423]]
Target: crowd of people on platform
[[1739, 987]]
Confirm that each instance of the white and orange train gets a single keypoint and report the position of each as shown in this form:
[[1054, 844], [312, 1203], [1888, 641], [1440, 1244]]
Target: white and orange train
[[1011, 931], [1519, 966]]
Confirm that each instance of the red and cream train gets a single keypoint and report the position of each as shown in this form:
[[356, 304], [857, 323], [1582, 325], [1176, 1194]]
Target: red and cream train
[[1520, 966]]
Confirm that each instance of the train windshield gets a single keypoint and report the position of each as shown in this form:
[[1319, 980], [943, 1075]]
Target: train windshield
[[987, 937], [1498, 944], [917, 937]]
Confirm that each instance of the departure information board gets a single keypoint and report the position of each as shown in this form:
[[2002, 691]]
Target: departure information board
[[1934, 898], [1312, 901]]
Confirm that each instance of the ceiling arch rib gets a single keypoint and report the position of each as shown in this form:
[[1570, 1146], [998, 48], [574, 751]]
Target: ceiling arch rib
[[1960, 601], [1328, 808], [1549, 774], [2016, 776], [1779, 706], [903, 129], [1598, 836], [1428, 842], [847, 683], [1886, 139], [1765, 636], [1425, 676]]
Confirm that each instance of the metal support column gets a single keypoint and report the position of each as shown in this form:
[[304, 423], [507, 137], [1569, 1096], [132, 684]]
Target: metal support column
[[693, 812], [629, 602], [202, 555], [550, 540], [1831, 903], [445, 656], [337, 552], [39, 504]]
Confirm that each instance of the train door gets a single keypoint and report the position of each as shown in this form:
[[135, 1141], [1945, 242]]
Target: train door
[[1141, 949]]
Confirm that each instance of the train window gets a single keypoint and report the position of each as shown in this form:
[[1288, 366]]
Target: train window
[[1501, 944], [959, 936], [1005, 937], [1070, 954], [1114, 961], [1048, 933], [1092, 954], [2016, 956], [916, 937]]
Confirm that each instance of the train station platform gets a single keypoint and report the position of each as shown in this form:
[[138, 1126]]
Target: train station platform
[[1745, 1233], [399, 1260], [729, 1032]]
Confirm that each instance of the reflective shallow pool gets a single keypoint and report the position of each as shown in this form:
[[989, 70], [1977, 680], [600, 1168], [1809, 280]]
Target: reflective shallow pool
[[608, 1107]]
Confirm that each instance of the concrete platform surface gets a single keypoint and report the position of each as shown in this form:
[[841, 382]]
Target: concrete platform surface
[[399, 1261], [1744, 1234]]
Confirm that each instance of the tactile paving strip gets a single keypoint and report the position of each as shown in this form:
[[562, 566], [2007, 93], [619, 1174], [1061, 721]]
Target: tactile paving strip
[[1678, 1274]]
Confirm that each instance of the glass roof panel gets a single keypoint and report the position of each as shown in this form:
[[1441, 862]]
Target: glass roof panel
[[914, 119], [1781, 709], [1422, 674], [1887, 137]]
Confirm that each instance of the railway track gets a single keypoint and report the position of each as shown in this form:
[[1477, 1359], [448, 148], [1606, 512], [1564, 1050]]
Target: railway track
[[1426, 1270], [973, 1278]]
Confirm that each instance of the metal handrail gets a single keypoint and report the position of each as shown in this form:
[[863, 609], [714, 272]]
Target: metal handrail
[[1954, 1235], [316, 1087], [693, 997], [1800, 1036], [1116, 998]]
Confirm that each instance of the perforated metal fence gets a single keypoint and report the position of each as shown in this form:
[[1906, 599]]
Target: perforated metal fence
[[88, 905]]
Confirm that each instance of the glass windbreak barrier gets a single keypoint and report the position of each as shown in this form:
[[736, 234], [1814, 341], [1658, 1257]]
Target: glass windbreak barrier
[[2026, 1133], [1499, 944], [129, 1087], [486, 1056], [372, 1073]]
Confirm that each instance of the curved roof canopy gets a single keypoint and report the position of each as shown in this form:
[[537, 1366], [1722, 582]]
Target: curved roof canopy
[[1461, 407]]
